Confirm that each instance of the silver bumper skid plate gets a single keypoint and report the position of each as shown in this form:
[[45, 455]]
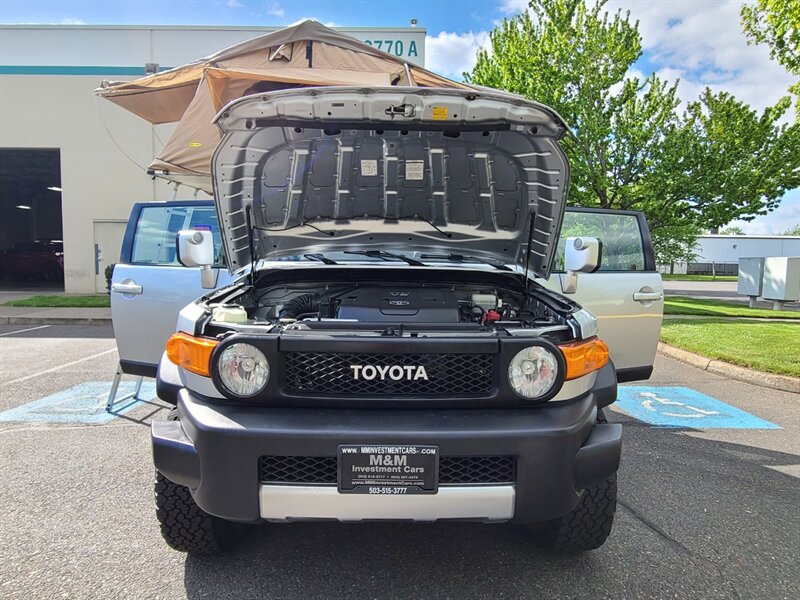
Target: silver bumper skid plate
[[306, 502]]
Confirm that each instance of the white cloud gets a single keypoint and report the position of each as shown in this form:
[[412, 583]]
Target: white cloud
[[701, 41], [451, 54], [786, 216], [234, 4], [274, 9], [512, 7], [71, 21]]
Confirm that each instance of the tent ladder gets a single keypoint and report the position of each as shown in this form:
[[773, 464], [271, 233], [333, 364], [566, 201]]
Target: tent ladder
[[112, 395]]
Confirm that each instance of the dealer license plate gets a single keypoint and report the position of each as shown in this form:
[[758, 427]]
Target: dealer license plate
[[381, 469]]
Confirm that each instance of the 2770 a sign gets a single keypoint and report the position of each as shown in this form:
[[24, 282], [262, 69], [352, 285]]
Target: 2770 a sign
[[396, 47]]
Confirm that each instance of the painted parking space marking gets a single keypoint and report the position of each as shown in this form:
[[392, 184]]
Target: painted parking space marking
[[59, 367], [24, 330], [84, 404], [684, 407]]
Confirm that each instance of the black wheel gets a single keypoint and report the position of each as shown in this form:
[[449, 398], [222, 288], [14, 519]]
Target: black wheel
[[185, 526], [587, 526]]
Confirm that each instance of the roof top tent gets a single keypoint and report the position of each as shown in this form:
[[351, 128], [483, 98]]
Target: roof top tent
[[305, 55]]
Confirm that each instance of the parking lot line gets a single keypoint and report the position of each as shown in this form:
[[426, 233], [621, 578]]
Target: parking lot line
[[24, 330], [59, 367]]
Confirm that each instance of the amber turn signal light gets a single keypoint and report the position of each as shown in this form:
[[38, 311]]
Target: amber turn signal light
[[584, 357], [191, 353]]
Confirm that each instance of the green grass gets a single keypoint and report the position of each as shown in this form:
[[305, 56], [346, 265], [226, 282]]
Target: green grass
[[771, 347], [681, 305], [62, 301], [667, 277]]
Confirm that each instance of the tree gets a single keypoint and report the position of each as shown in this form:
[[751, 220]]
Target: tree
[[733, 230], [793, 230], [675, 244], [630, 147], [723, 162], [777, 24], [574, 58]]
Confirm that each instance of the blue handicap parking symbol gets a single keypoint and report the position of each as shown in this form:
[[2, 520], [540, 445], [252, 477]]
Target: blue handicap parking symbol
[[82, 404], [685, 407]]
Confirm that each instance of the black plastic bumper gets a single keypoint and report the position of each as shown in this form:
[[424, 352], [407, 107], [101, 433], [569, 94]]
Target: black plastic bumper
[[214, 449]]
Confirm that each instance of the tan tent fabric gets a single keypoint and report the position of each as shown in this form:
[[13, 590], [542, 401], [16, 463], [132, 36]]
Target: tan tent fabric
[[167, 106], [218, 79], [194, 93], [189, 149]]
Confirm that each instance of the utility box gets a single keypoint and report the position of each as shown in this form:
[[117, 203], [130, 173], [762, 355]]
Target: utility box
[[751, 273], [781, 281]]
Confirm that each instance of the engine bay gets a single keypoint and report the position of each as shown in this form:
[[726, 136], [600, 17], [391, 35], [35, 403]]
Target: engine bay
[[381, 306]]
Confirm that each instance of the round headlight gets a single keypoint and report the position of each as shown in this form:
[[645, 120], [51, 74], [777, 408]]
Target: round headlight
[[243, 369], [533, 372]]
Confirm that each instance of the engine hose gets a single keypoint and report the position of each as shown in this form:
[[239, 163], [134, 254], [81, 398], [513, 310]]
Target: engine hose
[[307, 303]]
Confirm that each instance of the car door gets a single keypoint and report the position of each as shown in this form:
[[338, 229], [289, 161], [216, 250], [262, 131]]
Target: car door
[[625, 293], [149, 286]]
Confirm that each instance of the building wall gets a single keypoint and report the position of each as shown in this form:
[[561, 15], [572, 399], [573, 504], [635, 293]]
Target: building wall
[[47, 78], [722, 250], [730, 248], [98, 181]]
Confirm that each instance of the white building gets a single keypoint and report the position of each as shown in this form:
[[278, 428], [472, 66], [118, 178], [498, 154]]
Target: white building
[[54, 132], [724, 252]]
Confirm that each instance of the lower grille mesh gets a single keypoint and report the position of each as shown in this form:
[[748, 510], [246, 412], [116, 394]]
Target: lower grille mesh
[[322, 469], [297, 469], [477, 469]]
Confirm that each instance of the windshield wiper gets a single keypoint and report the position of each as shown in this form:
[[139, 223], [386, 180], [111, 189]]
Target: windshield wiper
[[321, 258], [460, 258], [383, 255]]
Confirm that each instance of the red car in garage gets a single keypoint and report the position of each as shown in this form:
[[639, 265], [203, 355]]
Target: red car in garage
[[41, 260]]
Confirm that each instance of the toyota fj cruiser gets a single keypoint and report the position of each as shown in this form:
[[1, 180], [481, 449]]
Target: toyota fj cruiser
[[392, 345]]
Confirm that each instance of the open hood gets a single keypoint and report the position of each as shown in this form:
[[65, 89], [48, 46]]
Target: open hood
[[409, 170]]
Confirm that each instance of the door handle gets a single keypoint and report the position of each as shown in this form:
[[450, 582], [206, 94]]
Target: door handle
[[647, 296], [127, 287]]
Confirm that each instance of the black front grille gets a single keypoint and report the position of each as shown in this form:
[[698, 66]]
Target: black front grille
[[322, 469], [297, 469], [453, 375], [477, 469]]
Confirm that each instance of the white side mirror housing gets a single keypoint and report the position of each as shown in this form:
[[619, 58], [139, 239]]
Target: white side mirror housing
[[581, 255], [195, 248]]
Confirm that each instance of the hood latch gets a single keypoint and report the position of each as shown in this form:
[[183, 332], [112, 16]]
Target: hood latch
[[404, 110]]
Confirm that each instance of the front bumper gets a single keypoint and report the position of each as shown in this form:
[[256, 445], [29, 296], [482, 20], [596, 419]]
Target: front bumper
[[214, 450]]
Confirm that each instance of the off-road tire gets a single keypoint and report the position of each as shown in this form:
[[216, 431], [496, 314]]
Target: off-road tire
[[185, 526], [587, 526]]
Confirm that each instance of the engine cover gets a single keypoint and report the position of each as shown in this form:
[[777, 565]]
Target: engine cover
[[395, 304]]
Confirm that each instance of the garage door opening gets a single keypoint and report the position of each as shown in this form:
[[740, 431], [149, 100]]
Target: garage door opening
[[31, 246]]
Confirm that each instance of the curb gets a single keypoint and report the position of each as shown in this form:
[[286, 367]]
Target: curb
[[784, 383], [55, 320]]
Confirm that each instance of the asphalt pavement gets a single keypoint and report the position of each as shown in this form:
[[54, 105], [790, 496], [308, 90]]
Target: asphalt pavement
[[703, 513]]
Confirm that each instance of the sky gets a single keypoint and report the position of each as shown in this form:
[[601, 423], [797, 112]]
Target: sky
[[699, 42]]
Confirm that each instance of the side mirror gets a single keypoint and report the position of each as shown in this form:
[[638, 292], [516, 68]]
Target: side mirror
[[195, 248], [582, 255]]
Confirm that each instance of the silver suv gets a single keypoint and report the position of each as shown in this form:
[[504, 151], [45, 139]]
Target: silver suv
[[411, 325]]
